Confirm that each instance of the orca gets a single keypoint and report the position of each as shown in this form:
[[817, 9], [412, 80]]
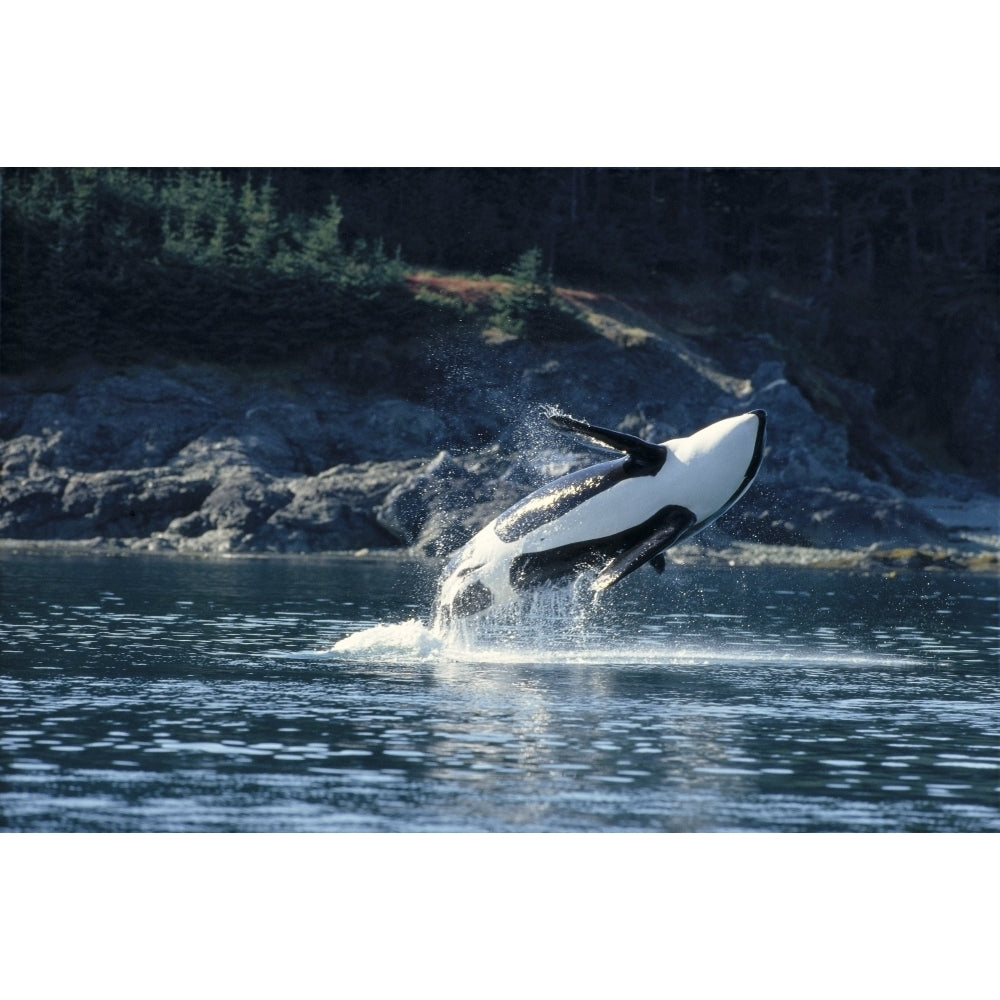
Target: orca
[[610, 518]]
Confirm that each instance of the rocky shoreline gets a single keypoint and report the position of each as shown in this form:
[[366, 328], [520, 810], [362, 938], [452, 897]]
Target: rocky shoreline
[[385, 453], [745, 554]]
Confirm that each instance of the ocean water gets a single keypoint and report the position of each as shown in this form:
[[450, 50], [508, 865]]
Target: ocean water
[[285, 694]]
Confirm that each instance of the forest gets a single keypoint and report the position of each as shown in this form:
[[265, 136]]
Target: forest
[[884, 275]]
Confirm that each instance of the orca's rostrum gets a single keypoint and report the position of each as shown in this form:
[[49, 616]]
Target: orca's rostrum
[[609, 518]]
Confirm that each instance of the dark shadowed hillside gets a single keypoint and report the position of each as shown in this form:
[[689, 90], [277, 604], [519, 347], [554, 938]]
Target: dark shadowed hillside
[[884, 277]]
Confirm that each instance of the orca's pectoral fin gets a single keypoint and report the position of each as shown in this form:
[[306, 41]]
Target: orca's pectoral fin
[[675, 522], [649, 457], [659, 562]]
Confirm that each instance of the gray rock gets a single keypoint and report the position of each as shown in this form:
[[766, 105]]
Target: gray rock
[[31, 503], [826, 518], [320, 517], [116, 421], [198, 459], [242, 501], [395, 429], [802, 447], [442, 483], [128, 504]]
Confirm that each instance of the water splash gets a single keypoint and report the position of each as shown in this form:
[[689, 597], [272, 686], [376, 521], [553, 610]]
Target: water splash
[[547, 622], [412, 638], [566, 625]]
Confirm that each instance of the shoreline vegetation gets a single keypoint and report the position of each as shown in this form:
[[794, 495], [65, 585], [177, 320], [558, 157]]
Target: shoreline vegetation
[[232, 363]]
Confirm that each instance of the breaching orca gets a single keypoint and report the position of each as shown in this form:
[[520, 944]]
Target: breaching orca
[[609, 518]]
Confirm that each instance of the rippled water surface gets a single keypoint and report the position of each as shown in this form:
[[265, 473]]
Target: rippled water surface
[[276, 695]]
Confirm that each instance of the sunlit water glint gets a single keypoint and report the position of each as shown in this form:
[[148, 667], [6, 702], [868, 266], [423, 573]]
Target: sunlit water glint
[[285, 694]]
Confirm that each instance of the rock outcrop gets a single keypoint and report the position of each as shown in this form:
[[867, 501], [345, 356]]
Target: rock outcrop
[[202, 459]]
